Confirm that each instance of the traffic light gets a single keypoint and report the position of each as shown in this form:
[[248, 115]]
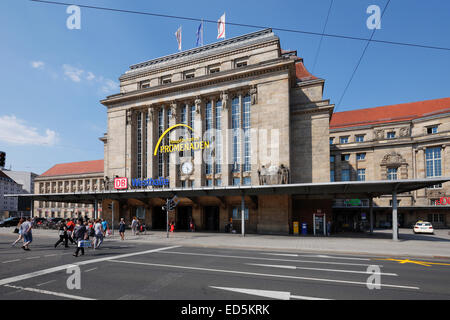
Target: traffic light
[[2, 159], [171, 205]]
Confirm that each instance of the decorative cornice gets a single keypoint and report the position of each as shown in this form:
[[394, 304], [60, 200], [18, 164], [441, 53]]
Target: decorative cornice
[[200, 82]]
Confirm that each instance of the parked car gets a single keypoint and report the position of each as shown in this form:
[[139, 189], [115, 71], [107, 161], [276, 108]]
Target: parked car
[[423, 227], [10, 222]]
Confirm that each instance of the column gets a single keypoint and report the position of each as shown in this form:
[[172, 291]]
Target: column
[[173, 156], [199, 174], [394, 216], [129, 144], [226, 139], [152, 139], [371, 214]]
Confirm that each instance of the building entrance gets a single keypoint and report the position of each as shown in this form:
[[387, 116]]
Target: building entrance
[[158, 218], [184, 214], [211, 218]]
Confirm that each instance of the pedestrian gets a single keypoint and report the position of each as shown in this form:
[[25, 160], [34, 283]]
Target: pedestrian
[[19, 231], [134, 224], [122, 228], [70, 226], [79, 234], [191, 224], [98, 233], [62, 232], [27, 234], [328, 228], [104, 226]]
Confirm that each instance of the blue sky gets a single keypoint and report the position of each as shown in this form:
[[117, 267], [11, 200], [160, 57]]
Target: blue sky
[[53, 77]]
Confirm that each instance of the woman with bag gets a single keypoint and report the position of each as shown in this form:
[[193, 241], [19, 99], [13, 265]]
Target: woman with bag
[[122, 228], [62, 232], [18, 230], [79, 234]]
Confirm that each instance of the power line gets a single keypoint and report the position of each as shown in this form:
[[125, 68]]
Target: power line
[[248, 25], [360, 59], [321, 38]]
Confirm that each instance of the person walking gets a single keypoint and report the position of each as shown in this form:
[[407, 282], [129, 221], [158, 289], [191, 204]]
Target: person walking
[[98, 233], [122, 228], [27, 234], [134, 224], [104, 226], [19, 231], [79, 234], [70, 226], [62, 232]]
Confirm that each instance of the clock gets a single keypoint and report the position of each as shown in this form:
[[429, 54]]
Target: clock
[[187, 167]]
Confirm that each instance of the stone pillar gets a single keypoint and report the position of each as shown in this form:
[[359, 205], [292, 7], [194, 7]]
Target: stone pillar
[[129, 144], [420, 169], [394, 216], [226, 138], [199, 174], [173, 156]]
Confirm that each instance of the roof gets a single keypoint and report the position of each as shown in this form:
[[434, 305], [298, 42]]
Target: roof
[[301, 73], [392, 113], [5, 176], [72, 168]]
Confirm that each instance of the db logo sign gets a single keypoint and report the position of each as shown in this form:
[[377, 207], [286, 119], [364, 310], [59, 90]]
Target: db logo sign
[[120, 183], [443, 201]]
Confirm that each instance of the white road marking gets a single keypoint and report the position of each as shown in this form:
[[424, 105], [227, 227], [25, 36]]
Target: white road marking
[[64, 267], [32, 258], [319, 269], [41, 284], [11, 261], [91, 269], [260, 274], [281, 295], [63, 295], [50, 255], [271, 259], [315, 256]]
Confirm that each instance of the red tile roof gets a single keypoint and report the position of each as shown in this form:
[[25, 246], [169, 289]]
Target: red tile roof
[[392, 113], [83, 167], [301, 72]]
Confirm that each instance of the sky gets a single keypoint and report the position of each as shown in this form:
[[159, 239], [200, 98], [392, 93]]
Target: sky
[[54, 77]]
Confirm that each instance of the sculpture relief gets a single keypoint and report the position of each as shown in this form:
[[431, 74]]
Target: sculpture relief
[[404, 132], [273, 175], [197, 102], [173, 110], [224, 98], [254, 95], [379, 134]]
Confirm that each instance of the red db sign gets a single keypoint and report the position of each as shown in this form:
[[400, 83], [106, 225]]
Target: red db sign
[[120, 183], [443, 201]]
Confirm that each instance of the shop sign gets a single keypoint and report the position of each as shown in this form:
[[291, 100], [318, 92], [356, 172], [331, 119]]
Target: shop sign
[[443, 201], [180, 144]]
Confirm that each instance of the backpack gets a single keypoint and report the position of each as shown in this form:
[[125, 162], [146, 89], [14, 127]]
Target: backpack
[[91, 231]]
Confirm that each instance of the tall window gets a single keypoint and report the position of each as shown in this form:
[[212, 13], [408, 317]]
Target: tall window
[[433, 162], [392, 173], [246, 131], [146, 144], [208, 128], [160, 132], [361, 174], [218, 120], [191, 122], [235, 126], [139, 146], [237, 213], [345, 175], [332, 175]]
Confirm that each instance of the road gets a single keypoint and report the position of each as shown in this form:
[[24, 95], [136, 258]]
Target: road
[[135, 271]]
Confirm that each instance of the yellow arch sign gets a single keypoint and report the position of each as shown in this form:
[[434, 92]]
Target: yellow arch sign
[[162, 136]]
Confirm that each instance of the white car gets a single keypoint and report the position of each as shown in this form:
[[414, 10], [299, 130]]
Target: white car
[[423, 227]]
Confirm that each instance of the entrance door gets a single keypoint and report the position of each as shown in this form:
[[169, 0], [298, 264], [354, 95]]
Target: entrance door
[[211, 218], [158, 218], [184, 214]]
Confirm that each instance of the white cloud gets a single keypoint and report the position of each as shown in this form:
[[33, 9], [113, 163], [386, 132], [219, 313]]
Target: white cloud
[[16, 131], [37, 64], [73, 73], [109, 86], [90, 76]]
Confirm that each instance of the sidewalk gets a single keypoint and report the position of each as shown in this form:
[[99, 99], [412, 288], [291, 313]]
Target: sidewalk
[[379, 244]]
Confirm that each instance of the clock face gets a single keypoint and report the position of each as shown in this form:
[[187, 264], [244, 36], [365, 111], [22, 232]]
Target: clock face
[[187, 167]]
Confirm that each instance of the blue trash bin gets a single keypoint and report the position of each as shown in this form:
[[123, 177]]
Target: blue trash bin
[[304, 228]]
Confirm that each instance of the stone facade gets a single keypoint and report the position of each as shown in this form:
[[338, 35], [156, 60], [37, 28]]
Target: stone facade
[[247, 83], [396, 149]]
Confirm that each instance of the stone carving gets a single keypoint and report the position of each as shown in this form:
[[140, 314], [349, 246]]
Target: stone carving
[[129, 116], [273, 175], [224, 98], [404, 132], [173, 110], [392, 158], [197, 103], [254, 95], [379, 134]]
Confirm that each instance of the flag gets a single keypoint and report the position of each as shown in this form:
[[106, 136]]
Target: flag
[[221, 27], [178, 35], [200, 35]]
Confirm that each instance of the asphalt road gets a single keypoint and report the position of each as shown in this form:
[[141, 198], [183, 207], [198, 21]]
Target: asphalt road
[[121, 270]]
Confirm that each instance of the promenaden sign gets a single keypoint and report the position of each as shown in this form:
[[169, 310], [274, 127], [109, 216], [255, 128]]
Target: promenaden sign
[[180, 144]]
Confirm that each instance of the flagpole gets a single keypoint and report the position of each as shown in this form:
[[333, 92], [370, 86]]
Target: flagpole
[[203, 29]]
